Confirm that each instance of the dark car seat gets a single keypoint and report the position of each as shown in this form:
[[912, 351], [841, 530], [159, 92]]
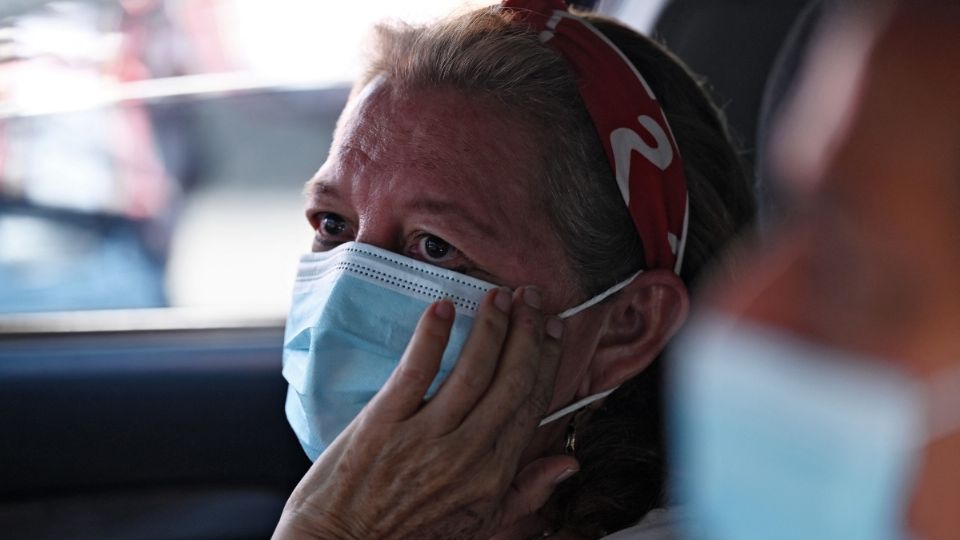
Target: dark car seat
[[732, 44]]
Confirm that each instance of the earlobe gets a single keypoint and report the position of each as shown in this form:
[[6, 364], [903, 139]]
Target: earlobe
[[639, 322]]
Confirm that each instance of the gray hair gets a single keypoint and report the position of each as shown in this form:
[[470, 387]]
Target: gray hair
[[484, 52]]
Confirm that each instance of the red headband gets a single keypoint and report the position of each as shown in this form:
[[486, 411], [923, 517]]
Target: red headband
[[628, 118]]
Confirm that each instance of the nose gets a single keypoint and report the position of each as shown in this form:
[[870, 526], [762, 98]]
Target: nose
[[381, 226]]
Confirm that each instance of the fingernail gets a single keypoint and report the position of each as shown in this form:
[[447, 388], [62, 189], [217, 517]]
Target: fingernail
[[531, 297], [567, 473], [443, 309], [554, 328], [502, 300]]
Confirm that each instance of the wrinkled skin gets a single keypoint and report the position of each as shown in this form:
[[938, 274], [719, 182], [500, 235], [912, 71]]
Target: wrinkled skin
[[477, 424]]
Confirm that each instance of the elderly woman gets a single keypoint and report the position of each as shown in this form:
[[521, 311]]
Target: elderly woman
[[542, 189]]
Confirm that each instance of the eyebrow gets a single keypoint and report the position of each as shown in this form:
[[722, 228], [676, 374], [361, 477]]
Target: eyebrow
[[314, 190], [449, 208]]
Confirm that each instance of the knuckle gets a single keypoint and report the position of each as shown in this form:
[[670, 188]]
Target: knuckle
[[529, 321], [492, 325], [550, 350], [469, 379], [413, 375], [435, 334]]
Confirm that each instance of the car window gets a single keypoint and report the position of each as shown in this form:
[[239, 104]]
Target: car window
[[152, 152]]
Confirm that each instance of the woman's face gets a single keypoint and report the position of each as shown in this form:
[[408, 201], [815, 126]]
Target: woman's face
[[454, 181]]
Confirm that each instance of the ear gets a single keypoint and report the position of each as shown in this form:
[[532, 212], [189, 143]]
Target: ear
[[638, 323]]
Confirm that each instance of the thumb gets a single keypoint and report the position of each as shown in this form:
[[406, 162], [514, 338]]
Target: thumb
[[534, 485]]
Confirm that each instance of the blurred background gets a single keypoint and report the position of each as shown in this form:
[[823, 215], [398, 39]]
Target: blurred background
[[152, 152]]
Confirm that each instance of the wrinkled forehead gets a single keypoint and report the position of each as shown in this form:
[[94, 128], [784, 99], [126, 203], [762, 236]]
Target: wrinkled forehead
[[449, 132], [398, 150]]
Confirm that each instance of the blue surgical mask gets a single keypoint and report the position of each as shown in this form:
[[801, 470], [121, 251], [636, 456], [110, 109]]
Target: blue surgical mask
[[354, 310], [775, 437]]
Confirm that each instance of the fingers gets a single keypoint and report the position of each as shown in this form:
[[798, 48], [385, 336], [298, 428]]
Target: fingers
[[518, 370], [474, 370], [403, 392], [526, 419], [534, 485]]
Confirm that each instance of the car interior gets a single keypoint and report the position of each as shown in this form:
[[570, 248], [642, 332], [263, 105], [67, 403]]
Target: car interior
[[170, 424]]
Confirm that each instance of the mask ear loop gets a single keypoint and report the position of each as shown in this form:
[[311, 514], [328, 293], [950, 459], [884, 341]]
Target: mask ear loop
[[576, 406], [599, 298], [570, 313]]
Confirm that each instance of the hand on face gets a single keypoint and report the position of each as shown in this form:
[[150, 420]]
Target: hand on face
[[447, 467]]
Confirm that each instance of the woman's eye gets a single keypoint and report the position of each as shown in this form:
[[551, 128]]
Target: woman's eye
[[435, 249], [332, 224], [332, 230]]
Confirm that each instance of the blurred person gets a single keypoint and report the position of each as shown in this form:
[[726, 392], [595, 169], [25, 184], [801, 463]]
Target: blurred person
[[91, 229], [821, 397], [539, 190], [153, 46], [87, 228]]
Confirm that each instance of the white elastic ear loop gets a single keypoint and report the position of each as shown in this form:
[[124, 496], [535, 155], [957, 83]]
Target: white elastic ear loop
[[945, 403], [570, 313], [576, 406], [599, 298]]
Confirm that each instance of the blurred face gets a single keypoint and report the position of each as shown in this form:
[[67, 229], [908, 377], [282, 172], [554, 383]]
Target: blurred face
[[872, 264], [453, 181]]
